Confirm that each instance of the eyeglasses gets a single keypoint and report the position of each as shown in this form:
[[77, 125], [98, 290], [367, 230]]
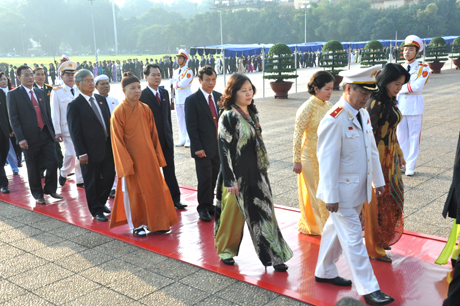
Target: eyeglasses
[[27, 75], [87, 81]]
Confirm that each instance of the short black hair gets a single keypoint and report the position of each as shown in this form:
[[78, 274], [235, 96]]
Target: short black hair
[[206, 69], [147, 68], [20, 68], [389, 73], [319, 79], [37, 68]]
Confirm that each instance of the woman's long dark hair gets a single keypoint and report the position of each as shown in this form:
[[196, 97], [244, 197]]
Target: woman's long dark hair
[[234, 84], [9, 80], [389, 73]]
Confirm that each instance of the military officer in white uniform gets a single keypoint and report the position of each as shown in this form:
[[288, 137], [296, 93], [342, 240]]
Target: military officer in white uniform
[[182, 82], [348, 168], [410, 102], [60, 98]]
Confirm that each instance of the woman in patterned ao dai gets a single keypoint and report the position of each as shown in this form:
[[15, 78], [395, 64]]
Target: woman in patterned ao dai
[[383, 217], [313, 211], [245, 190]]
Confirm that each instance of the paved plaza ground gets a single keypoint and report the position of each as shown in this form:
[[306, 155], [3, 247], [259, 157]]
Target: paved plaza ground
[[44, 261]]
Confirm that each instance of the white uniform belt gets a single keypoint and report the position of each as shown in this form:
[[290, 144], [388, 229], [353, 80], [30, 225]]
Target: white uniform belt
[[412, 93], [183, 88]]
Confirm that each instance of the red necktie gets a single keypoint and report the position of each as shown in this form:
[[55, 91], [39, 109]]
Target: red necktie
[[213, 111], [41, 124], [158, 98]]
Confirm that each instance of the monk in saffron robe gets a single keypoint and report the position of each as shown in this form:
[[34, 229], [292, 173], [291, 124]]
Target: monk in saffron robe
[[142, 198]]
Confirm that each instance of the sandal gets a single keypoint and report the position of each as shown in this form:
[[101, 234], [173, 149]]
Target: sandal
[[280, 267], [229, 261], [385, 258], [140, 232]]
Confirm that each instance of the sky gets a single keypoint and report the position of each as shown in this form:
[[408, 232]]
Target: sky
[[120, 2]]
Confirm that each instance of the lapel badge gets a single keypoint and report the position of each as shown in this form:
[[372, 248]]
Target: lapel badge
[[164, 100], [39, 99], [100, 103], [367, 121], [350, 128]]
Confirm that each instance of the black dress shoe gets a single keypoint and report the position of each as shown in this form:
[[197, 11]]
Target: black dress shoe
[[212, 210], [101, 217], [205, 216], [338, 281], [62, 180], [56, 196], [107, 210], [5, 190], [228, 261], [378, 298], [41, 201], [179, 205], [280, 267], [112, 194], [81, 185]]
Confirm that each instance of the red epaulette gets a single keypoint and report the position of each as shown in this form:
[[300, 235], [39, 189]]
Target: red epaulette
[[337, 111], [424, 65]]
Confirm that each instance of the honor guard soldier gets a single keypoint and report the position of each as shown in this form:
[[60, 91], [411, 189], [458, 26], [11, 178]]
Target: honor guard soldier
[[182, 82], [61, 96], [410, 102], [349, 167]]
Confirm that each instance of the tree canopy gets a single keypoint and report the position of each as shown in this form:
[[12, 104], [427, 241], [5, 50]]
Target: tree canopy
[[151, 27]]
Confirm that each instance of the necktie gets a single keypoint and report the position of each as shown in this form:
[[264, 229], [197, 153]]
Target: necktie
[[96, 111], [158, 98], [408, 68], [71, 90], [213, 111], [359, 119], [38, 111]]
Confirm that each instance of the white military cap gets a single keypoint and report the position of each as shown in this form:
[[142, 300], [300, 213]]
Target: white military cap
[[68, 66], [414, 40], [364, 77]]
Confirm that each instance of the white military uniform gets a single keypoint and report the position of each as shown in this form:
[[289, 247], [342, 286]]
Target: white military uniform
[[60, 97], [348, 167], [410, 103], [182, 83]]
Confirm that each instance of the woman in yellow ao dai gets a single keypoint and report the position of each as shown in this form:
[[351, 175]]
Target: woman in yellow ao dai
[[313, 211]]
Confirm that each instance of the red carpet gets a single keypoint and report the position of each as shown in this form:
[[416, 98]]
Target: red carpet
[[412, 279]]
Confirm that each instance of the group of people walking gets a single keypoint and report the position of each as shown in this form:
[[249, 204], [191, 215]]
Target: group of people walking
[[349, 157]]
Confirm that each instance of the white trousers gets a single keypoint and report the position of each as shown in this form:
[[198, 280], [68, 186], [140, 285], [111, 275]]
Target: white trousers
[[70, 161], [343, 233], [127, 205], [409, 133], [180, 113]]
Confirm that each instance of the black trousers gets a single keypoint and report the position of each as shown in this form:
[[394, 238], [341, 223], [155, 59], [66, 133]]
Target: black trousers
[[453, 294], [44, 150], [59, 156], [4, 148], [169, 173], [98, 178], [206, 171]]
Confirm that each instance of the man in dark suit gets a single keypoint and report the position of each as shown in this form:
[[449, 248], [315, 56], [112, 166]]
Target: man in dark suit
[[39, 82], [5, 133], [202, 62], [158, 101], [197, 65], [202, 116], [34, 133], [88, 117]]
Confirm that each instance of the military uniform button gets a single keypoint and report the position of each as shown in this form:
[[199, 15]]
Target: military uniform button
[[348, 180]]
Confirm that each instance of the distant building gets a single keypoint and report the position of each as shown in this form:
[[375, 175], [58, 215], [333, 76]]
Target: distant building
[[300, 4], [385, 4], [235, 5]]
